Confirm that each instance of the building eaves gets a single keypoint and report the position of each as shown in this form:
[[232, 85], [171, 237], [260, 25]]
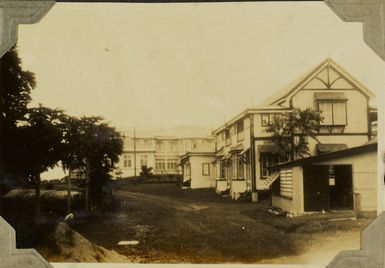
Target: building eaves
[[332, 155]]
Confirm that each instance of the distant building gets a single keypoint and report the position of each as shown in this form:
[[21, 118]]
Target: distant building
[[198, 165], [162, 154]]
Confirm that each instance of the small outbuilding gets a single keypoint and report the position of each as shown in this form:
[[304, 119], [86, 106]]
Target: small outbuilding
[[199, 169], [340, 180]]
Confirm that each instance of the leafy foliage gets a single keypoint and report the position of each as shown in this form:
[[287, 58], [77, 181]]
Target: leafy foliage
[[41, 144], [32, 140], [15, 88], [146, 171], [92, 146], [291, 133]]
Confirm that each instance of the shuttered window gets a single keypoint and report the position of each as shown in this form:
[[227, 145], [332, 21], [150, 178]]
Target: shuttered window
[[286, 178], [339, 113], [333, 113]]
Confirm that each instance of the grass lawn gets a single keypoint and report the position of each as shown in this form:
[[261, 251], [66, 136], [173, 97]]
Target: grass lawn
[[198, 226]]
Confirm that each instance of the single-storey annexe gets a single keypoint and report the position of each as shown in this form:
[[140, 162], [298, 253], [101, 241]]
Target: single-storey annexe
[[339, 180], [199, 169]]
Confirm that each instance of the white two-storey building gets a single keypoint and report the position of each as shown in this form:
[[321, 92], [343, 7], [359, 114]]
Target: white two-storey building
[[244, 151], [162, 154]]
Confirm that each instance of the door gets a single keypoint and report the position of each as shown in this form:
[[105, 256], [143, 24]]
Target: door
[[316, 188], [341, 191]]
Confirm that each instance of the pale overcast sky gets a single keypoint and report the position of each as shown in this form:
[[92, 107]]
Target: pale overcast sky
[[165, 65]]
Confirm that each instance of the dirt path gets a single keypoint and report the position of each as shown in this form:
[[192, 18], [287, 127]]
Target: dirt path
[[161, 200], [177, 226], [322, 250]]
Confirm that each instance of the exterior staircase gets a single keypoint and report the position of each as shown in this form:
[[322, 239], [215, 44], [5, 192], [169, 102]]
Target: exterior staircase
[[245, 196], [269, 181]]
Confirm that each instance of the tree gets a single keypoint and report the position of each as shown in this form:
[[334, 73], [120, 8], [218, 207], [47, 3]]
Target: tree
[[93, 147], [15, 88], [291, 132], [145, 173], [40, 145]]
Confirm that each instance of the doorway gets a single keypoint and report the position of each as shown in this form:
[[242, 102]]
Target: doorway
[[341, 188], [328, 187]]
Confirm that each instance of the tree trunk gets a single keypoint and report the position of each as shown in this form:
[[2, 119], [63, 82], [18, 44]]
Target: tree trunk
[[292, 146], [69, 201], [37, 199], [87, 190]]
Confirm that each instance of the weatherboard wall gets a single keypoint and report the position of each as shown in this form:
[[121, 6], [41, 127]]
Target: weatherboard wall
[[295, 204]]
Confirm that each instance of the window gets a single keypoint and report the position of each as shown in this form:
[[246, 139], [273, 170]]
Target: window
[[188, 145], [223, 170], [127, 161], [227, 135], [160, 146], [267, 119], [286, 182], [143, 160], [332, 178], [240, 130], [174, 146], [240, 168], [333, 112], [267, 161], [187, 169], [172, 163], [205, 169], [229, 170], [160, 164]]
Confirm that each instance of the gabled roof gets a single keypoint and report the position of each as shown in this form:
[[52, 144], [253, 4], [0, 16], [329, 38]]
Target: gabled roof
[[273, 103], [292, 88]]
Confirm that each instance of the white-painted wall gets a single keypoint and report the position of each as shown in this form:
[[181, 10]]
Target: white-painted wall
[[198, 180]]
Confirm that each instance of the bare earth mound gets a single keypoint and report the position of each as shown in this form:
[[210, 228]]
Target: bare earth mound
[[67, 245]]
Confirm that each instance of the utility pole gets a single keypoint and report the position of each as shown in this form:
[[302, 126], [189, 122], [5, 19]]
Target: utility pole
[[134, 153]]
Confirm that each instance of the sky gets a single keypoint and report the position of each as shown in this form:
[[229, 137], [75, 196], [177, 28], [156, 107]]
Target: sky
[[186, 66]]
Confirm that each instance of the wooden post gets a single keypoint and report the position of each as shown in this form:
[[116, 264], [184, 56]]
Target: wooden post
[[87, 189], [37, 199], [134, 152], [69, 192]]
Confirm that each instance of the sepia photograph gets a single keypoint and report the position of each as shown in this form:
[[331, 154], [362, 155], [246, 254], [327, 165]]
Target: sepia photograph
[[190, 133]]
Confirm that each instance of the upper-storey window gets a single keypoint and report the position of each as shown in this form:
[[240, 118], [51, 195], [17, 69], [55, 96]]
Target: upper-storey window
[[227, 135], [143, 160], [240, 130], [333, 107], [267, 119], [333, 113]]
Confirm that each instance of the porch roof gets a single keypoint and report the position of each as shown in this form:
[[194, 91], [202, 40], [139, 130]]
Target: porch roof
[[227, 156], [268, 148], [220, 153], [244, 150], [330, 147]]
